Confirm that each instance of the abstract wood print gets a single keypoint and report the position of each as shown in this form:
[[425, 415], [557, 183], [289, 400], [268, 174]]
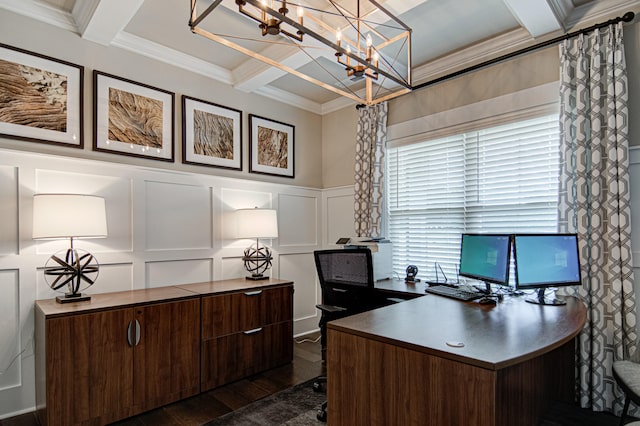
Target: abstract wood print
[[33, 97], [40, 98], [211, 134], [132, 118], [135, 119], [272, 146]]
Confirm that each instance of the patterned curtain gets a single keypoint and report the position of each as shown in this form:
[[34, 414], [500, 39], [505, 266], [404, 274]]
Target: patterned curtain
[[369, 170], [594, 203]]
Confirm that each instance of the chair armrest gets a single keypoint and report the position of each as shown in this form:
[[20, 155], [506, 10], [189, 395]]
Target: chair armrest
[[330, 308]]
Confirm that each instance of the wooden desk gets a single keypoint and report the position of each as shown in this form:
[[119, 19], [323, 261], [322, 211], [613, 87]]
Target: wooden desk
[[393, 365]]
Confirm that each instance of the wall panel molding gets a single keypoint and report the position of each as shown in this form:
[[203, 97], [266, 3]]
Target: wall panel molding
[[165, 227]]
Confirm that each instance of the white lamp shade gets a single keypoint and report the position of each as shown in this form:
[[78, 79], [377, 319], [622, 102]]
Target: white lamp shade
[[256, 223], [68, 215]]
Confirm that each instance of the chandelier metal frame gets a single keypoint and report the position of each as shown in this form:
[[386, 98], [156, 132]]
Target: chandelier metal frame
[[362, 62]]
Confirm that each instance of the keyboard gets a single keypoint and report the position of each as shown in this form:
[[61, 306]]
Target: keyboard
[[455, 293]]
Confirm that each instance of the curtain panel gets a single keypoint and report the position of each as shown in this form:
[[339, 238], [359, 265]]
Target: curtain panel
[[594, 202], [369, 170]]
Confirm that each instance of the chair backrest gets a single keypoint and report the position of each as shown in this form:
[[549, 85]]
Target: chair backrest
[[345, 268], [346, 279]]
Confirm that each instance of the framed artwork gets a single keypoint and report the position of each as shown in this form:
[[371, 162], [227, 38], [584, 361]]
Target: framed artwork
[[132, 118], [211, 134], [271, 147], [40, 98]]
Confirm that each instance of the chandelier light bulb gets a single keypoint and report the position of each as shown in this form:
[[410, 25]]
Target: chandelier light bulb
[[369, 40]]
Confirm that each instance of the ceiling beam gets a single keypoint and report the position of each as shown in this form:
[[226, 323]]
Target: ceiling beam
[[536, 16], [101, 21]]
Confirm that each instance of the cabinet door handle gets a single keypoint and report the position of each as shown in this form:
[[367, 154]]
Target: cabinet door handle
[[130, 337], [133, 333], [137, 332], [253, 293], [255, 330]]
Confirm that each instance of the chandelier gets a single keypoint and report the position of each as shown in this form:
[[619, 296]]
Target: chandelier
[[355, 48]]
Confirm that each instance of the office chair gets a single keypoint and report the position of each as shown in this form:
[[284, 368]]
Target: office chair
[[346, 280], [627, 375]]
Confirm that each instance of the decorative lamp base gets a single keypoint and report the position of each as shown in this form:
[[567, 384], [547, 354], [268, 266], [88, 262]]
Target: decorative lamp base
[[257, 277], [68, 298]]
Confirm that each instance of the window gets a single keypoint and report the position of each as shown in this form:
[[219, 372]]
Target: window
[[499, 179]]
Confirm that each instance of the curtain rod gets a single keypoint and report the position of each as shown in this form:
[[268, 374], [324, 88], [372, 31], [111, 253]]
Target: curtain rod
[[627, 17]]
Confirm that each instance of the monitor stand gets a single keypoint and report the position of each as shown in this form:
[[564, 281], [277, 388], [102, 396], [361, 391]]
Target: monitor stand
[[486, 290], [541, 299]]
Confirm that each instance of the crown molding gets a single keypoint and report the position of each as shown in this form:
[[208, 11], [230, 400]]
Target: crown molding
[[562, 9], [337, 104], [82, 12], [289, 99], [41, 12], [171, 56], [599, 11], [477, 53], [101, 21]]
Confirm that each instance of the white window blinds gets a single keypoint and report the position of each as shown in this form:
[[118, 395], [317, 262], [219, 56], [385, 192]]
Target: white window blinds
[[502, 179]]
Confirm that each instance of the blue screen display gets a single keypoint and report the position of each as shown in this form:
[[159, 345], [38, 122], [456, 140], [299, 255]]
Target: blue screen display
[[546, 260], [485, 257]]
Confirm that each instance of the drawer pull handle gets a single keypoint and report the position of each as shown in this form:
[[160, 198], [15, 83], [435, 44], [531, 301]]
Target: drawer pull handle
[[253, 293], [255, 330], [339, 290]]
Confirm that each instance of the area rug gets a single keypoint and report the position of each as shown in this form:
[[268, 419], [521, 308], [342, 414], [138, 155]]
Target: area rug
[[565, 414], [296, 406]]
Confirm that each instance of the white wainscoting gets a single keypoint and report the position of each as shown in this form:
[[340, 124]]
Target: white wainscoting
[[164, 228]]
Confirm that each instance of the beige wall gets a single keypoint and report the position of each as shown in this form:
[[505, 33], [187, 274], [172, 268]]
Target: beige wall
[[19, 31], [525, 71], [338, 147], [520, 73]]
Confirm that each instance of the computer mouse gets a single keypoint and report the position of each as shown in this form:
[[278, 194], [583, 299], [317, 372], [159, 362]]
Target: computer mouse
[[487, 301]]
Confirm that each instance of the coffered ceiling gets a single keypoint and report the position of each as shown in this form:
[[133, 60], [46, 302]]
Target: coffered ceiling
[[447, 35]]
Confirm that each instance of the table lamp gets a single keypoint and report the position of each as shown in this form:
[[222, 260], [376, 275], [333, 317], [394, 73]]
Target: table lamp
[[257, 223], [72, 216]]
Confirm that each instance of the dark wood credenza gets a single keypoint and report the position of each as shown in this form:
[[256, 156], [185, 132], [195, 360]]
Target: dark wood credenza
[[124, 353]]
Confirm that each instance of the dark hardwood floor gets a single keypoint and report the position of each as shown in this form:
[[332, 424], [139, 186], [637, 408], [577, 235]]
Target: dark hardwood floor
[[307, 364]]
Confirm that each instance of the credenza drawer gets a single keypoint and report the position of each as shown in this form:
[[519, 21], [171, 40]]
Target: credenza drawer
[[238, 355], [245, 310]]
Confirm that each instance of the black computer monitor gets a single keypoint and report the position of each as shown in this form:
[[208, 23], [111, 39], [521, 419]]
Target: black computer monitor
[[485, 257], [546, 260]]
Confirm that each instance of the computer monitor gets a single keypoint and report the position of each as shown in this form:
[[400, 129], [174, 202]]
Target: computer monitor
[[485, 257], [546, 260]]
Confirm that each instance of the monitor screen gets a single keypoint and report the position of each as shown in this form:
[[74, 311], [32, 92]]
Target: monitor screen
[[485, 257], [546, 260]]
